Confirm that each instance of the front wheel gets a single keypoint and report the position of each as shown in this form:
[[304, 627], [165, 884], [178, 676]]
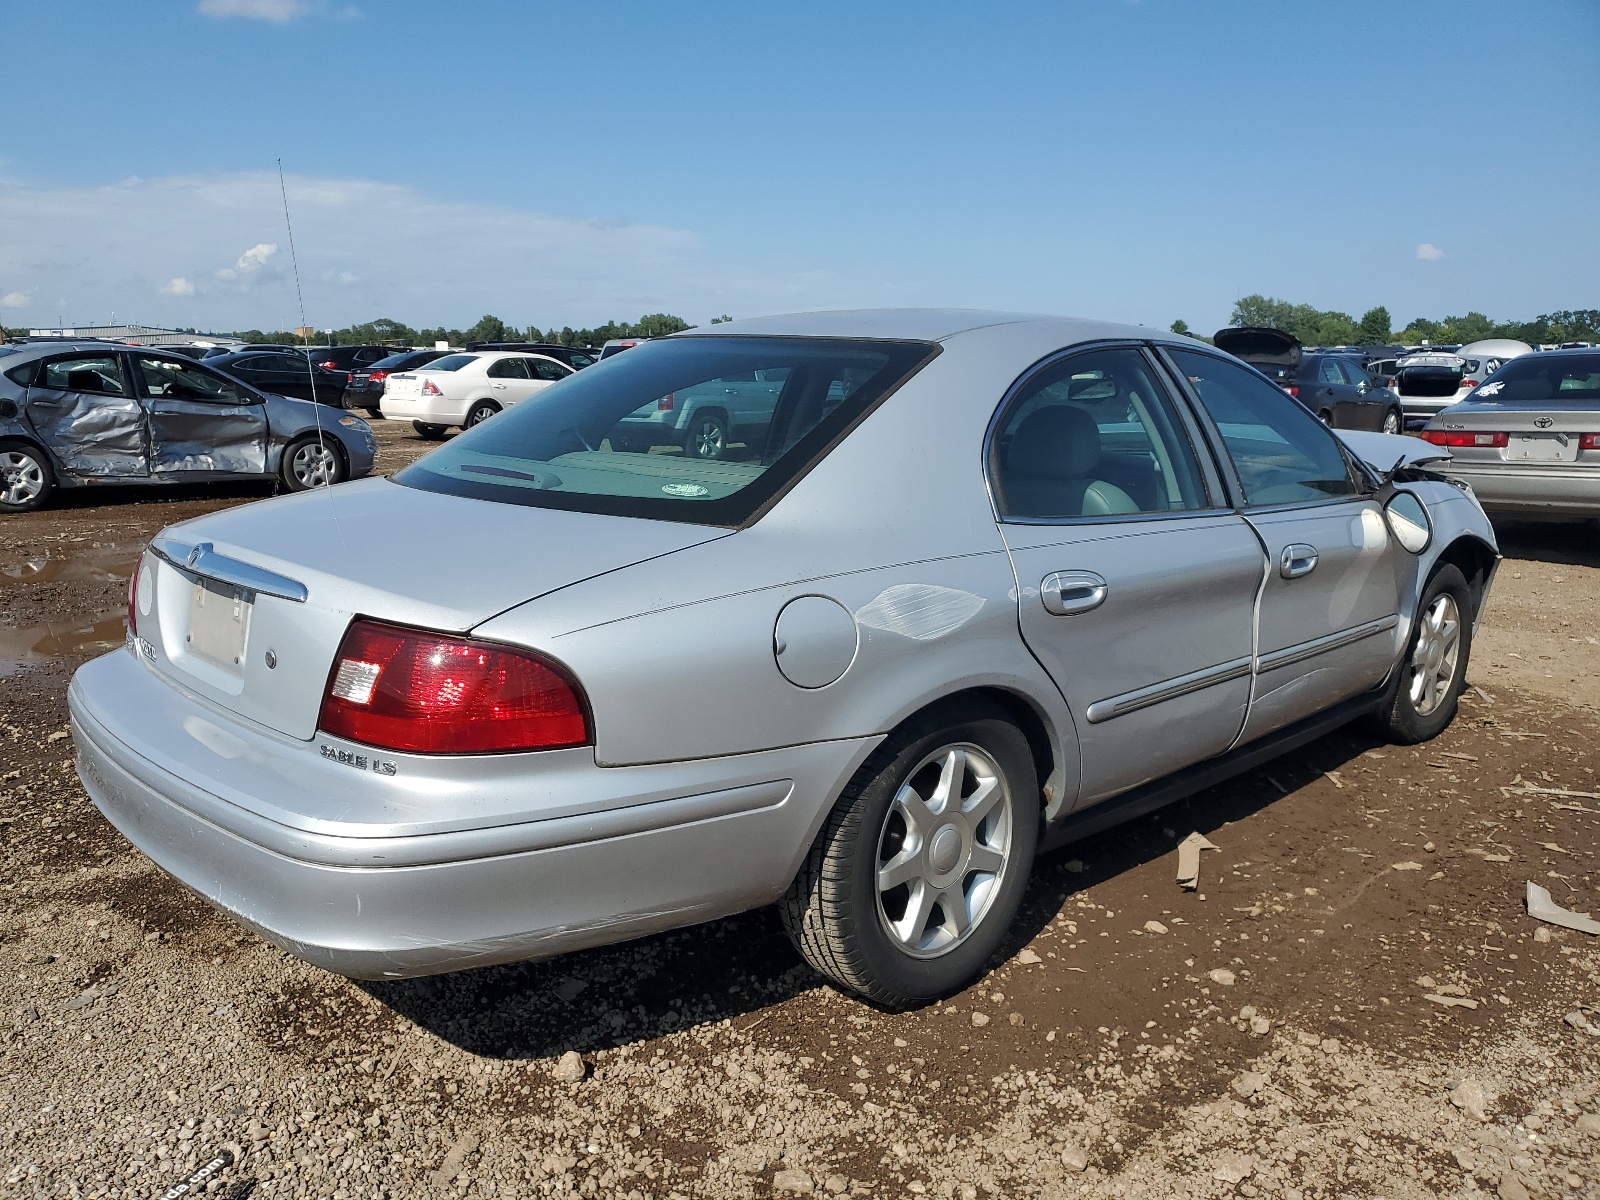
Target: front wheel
[[917, 873], [427, 432], [26, 479], [1421, 700], [310, 463], [1392, 422], [479, 413]]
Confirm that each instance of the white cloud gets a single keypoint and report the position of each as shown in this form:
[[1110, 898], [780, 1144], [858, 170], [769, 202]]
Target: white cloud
[[177, 286], [370, 249], [14, 300], [251, 261], [1428, 252], [255, 10]]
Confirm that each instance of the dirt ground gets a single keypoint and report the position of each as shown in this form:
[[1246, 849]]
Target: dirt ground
[[1354, 1003]]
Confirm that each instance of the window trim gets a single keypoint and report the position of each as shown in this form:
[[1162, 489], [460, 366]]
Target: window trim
[[1210, 479], [1220, 447]]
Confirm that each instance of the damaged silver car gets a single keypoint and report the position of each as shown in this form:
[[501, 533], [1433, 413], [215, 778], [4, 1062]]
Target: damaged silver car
[[977, 584], [92, 413]]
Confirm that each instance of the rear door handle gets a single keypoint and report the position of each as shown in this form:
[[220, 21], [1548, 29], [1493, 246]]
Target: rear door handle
[[1067, 592], [1298, 559]]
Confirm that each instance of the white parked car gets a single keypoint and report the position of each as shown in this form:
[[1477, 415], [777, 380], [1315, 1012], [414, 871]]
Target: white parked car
[[464, 389], [1428, 382]]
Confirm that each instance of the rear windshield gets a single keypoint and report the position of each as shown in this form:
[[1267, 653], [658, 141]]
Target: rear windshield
[[698, 429], [1558, 378], [406, 358], [450, 362]]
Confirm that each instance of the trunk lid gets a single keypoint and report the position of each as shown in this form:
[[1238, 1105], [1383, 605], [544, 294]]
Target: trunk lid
[[371, 548], [407, 385], [1430, 377], [1536, 431], [1258, 344]]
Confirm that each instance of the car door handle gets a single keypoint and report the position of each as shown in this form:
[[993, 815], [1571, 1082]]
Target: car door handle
[[1298, 559], [499, 387], [1067, 592]]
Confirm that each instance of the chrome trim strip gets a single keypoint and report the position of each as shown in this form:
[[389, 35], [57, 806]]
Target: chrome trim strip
[[1333, 641], [202, 560], [1170, 689]]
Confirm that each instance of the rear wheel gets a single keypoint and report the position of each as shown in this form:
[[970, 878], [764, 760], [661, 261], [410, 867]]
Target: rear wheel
[[479, 413], [1421, 700], [429, 433], [26, 478], [310, 463], [917, 873], [707, 436], [1325, 417], [1393, 422]]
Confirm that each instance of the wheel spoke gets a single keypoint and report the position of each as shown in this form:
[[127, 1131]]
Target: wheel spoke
[[910, 928], [982, 801], [902, 868], [953, 904], [985, 859], [919, 821], [952, 773]]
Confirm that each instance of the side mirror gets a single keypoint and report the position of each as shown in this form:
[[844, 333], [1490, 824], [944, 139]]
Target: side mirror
[[1409, 522]]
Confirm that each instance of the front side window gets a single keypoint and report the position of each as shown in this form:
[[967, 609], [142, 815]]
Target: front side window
[[180, 379], [1094, 435], [617, 437], [1283, 454], [94, 374]]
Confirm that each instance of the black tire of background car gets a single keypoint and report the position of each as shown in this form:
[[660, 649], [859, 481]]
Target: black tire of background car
[[1398, 720], [479, 413], [286, 474], [1395, 417], [693, 440], [429, 433], [830, 911], [46, 472]]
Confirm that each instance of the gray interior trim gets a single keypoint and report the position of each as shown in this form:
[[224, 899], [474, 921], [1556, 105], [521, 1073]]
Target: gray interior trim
[[1333, 641], [1171, 689]]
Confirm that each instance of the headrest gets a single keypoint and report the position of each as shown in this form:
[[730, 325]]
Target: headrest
[[85, 381], [1056, 442]]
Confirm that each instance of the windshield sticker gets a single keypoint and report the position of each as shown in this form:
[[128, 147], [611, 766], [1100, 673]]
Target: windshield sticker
[[1490, 389], [685, 489]]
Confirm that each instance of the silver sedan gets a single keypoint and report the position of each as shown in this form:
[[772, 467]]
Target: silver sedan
[[1528, 441], [978, 585]]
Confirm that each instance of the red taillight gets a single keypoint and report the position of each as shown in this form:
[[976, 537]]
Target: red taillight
[[133, 597], [1589, 441], [430, 693], [665, 403], [1292, 390], [1470, 383], [1464, 437], [430, 388], [377, 376], [329, 366]]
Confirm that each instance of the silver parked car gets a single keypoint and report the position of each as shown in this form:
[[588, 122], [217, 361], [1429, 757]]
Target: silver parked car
[[87, 414], [1528, 440], [984, 583]]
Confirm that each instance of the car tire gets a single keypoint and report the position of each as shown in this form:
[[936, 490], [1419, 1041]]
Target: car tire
[[1326, 418], [374, 414], [1393, 422], [27, 480], [707, 436], [1420, 701], [479, 413], [310, 462], [429, 433], [891, 819]]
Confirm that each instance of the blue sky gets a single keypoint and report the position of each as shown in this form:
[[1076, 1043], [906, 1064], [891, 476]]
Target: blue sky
[[1138, 161]]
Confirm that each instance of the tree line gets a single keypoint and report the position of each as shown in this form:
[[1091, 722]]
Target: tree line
[[489, 328], [1319, 327]]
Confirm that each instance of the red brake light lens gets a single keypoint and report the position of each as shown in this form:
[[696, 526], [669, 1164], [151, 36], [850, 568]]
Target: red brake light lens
[[665, 403], [1589, 441], [1292, 390], [1470, 383], [1464, 437], [328, 366], [431, 693], [377, 376], [430, 388]]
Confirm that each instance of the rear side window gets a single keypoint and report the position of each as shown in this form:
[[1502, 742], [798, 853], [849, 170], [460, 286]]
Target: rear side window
[[544, 369], [1094, 436], [94, 374], [699, 429], [1283, 454], [450, 362], [1559, 378], [508, 368]]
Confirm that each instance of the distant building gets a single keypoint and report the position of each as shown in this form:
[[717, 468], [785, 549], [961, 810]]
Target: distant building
[[139, 335]]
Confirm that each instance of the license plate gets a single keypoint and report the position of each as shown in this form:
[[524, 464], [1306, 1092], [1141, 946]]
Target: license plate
[[1543, 447], [219, 622]]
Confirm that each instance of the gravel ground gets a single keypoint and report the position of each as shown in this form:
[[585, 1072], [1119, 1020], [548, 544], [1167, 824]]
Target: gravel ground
[[1355, 1002]]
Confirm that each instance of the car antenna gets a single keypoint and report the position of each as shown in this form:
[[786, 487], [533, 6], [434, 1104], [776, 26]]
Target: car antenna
[[311, 370]]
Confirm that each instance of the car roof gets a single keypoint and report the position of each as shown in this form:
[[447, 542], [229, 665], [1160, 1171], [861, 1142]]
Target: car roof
[[929, 325]]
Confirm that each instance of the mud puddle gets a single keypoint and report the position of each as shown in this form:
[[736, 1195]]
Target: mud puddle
[[33, 645], [94, 565]]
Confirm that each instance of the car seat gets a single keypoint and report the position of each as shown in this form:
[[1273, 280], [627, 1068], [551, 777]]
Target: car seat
[[1050, 468], [86, 381]]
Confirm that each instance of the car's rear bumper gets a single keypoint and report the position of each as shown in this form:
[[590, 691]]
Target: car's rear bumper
[[1545, 490], [435, 410], [672, 844]]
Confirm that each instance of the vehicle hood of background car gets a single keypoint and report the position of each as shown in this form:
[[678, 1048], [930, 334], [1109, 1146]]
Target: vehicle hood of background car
[[1259, 344], [421, 558], [1381, 451]]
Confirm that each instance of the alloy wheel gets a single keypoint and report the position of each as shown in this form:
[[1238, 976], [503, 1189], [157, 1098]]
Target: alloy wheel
[[707, 440], [1391, 423], [943, 850], [1433, 662], [21, 477], [314, 466]]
